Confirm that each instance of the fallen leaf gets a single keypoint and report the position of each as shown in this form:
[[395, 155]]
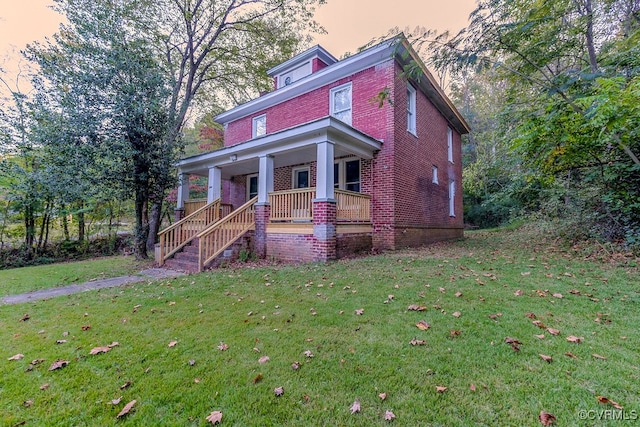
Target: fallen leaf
[[597, 356], [98, 350], [279, 391], [553, 331], [454, 332], [86, 327], [472, 387], [308, 354], [263, 359], [61, 341], [58, 364], [27, 403], [510, 340], [607, 401], [295, 366], [573, 338], [113, 344], [388, 415], [417, 342], [16, 357], [382, 396], [126, 409], [546, 358], [458, 294], [173, 343], [531, 316], [540, 337], [423, 325], [416, 307], [495, 316], [574, 292], [456, 314], [44, 386], [557, 295], [215, 417], [125, 385], [443, 290], [546, 418], [569, 354], [518, 293], [539, 324], [222, 346], [25, 317], [441, 389], [355, 407], [360, 311], [116, 401], [257, 379]]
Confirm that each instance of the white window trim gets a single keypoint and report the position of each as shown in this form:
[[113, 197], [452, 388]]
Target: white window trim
[[282, 77], [411, 109], [450, 144], [452, 198], [294, 172], [434, 174], [254, 127], [248, 185], [332, 92], [342, 171]]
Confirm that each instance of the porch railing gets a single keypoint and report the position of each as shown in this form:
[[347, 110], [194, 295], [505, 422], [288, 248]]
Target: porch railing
[[292, 205], [178, 235], [352, 206], [297, 205], [190, 206], [215, 239]]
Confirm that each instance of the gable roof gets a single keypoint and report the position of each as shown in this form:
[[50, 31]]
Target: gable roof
[[397, 47]]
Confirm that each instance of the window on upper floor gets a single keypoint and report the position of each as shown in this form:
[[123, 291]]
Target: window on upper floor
[[452, 198], [411, 109], [434, 174], [340, 103], [259, 126], [346, 174], [450, 144]]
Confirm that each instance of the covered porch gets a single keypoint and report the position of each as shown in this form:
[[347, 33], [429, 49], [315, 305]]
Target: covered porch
[[299, 220]]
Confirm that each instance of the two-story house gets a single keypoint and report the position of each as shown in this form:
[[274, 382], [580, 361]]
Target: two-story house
[[341, 157]]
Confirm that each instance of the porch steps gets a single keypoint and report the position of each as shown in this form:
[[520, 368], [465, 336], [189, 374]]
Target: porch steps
[[187, 259]]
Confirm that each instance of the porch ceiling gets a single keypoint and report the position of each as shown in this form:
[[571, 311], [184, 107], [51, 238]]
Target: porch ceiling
[[288, 147]]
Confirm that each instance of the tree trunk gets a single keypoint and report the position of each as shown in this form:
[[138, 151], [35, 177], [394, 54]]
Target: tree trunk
[[155, 218], [81, 222], [65, 223], [142, 228]]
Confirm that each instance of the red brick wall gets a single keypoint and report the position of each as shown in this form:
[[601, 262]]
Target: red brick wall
[[290, 247], [313, 105], [317, 65]]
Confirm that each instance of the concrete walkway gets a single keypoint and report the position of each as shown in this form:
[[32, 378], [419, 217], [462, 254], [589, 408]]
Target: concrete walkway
[[149, 274]]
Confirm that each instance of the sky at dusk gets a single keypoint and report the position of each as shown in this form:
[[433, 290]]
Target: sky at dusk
[[349, 23]]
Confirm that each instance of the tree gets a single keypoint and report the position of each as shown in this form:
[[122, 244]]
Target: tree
[[211, 53]]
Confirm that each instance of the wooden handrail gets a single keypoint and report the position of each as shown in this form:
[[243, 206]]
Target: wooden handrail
[[215, 239], [178, 235], [352, 206], [292, 205]]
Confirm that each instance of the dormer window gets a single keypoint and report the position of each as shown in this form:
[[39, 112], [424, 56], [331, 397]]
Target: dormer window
[[340, 103], [292, 75], [259, 126]]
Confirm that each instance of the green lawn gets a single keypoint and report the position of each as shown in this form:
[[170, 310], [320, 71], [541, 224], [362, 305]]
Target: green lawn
[[19, 280], [477, 292]]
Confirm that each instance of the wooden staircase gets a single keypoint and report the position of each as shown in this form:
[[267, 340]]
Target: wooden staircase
[[196, 241]]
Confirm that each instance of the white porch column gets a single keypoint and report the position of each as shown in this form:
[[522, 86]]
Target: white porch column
[[183, 189], [324, 171], [265, 179], [214, 184]]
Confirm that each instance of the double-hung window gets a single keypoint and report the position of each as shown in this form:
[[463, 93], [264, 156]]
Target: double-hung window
[[259, 126], [411, 109], [340, 103], [346, 175], [450, 144], [452, 198]]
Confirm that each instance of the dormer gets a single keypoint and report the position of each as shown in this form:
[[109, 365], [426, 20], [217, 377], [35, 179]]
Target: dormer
[[300, 66]]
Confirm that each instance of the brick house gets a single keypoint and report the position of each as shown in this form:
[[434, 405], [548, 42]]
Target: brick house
[[323, 166]]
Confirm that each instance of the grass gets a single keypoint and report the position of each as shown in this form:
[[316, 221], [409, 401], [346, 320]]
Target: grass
[[26, 279], [282, 311]]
